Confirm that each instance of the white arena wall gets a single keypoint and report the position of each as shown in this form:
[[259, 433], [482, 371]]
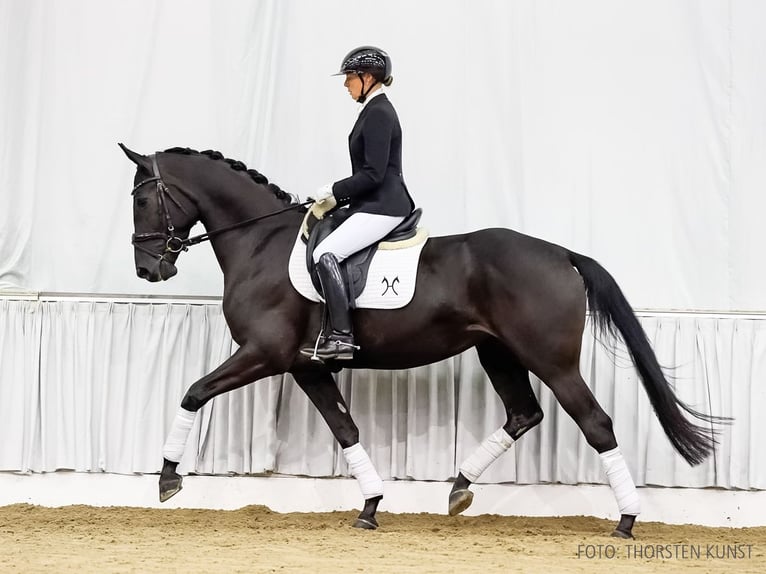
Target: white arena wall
[[631, 131], [706, 507], [99, 380]]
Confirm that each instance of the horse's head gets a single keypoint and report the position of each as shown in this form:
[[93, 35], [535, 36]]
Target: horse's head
[[162, 219]]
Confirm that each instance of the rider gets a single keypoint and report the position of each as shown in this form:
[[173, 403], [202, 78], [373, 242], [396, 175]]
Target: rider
[[375, 194]]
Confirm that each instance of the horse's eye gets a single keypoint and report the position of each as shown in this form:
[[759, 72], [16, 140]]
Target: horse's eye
[[141, 202]]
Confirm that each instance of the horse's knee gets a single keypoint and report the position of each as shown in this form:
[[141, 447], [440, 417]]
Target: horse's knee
[[323, 393], [192, 401], [196, 397], [347, 436], [518, 424], [341, 424]]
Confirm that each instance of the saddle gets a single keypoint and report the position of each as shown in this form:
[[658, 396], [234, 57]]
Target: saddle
[[318, 225]]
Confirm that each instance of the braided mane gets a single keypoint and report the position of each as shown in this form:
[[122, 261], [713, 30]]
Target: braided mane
[[237, 165]]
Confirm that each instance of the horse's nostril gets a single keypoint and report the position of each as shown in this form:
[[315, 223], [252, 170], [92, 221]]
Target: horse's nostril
[[142, 272]]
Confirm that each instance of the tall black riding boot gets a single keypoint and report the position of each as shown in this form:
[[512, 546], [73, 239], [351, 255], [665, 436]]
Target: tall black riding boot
[[338, 342]]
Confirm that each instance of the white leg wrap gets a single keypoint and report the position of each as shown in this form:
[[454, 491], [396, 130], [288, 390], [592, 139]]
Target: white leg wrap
[[485, 454], [361, 468], [621, 482], [179, 432]]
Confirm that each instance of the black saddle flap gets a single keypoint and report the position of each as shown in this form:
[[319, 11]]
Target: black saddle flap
[[318, 230]]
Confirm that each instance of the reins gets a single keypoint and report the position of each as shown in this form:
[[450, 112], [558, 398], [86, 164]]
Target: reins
[[206, 236], [173, 243]]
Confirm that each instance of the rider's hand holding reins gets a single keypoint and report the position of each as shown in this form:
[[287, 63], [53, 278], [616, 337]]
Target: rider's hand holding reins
[[324, 200], [322, 194]]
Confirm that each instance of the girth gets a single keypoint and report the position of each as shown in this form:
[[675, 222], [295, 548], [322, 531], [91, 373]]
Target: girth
[[356, 266]]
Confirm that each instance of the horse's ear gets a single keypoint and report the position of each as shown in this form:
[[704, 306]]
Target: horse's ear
[[135, 157]]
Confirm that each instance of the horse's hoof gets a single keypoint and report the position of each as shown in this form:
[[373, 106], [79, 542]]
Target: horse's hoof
[[168, 494], [625, 528], [366, 523], [459, 500], [170, 487]]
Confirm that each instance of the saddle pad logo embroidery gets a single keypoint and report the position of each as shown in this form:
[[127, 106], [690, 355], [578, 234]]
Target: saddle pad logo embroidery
[[390, 280], [391, 285]]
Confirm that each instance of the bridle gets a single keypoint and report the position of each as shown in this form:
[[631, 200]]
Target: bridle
[[173, 243]]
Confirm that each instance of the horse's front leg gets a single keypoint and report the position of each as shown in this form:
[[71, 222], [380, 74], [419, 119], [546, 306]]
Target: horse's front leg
[[321, 389], [242, 368]]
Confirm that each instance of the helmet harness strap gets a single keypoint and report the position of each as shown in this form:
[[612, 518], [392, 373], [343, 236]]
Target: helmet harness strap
[[363, 96]]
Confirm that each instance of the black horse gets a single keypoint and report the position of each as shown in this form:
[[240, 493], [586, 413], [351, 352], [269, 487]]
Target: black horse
[[519, 300]]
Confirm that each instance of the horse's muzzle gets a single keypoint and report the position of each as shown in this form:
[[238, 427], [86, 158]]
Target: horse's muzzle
[[161, 272]]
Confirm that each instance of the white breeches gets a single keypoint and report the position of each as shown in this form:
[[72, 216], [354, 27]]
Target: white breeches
[[356, 233]]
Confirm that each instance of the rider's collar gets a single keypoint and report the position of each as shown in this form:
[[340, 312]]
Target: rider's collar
[[380, 90]]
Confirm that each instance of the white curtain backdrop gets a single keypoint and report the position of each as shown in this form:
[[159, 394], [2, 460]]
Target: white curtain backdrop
[[632, 131], [109, 378]]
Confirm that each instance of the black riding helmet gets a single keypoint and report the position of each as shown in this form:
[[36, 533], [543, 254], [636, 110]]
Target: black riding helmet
[[367, 59]]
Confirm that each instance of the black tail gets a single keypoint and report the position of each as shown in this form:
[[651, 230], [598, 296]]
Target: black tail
[[611, 309]]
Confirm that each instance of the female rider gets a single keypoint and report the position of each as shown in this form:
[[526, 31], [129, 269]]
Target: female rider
[[375, 194]]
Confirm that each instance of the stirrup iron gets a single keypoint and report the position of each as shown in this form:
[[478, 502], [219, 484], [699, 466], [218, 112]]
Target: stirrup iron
[[316, 357]]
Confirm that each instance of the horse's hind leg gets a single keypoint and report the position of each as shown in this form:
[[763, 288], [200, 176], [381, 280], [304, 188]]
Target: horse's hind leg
[[511, 382], [578, 401], [320, 387]]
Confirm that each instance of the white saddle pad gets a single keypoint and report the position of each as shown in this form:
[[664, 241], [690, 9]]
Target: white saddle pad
[[390, 280]]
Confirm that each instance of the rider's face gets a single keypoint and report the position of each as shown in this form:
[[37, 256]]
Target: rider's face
[[354, 84]]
